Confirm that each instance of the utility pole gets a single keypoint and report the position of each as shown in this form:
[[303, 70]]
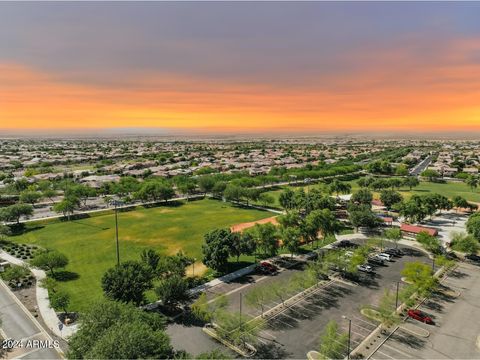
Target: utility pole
[[349, 335]]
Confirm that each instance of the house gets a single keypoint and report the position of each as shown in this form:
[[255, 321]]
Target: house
[[412, 231]]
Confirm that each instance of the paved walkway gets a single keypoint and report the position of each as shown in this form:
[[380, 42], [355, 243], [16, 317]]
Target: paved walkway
[[48, 314]]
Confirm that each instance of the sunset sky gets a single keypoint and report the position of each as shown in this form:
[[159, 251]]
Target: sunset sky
[[241, 67]]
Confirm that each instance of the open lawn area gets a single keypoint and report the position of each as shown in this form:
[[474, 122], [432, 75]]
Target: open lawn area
[[89, 243], [449, 189]]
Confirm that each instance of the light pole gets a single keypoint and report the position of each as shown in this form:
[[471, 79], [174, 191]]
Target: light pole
[[116, 203], [349, 334], [396, 297]]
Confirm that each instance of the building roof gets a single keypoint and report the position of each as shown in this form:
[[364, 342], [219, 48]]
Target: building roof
[[418, 229]]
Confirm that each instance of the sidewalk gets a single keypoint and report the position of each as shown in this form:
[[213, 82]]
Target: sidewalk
[[48, 314]]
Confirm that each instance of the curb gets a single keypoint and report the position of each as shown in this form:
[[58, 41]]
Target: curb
[[31, 317]]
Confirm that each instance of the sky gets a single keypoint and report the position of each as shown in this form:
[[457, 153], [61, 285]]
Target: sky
[[238, 67]]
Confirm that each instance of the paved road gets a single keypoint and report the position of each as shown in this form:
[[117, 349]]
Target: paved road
[[19, 325], [422, 166]]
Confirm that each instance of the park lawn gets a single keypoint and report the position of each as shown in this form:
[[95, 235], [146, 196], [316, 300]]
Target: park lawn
[[90, 246], [448, 189]]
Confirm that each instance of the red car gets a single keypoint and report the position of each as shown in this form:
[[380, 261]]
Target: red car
[[267, 268], [420, 316]]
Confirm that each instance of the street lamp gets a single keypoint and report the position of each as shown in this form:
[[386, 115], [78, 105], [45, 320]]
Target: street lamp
[[116, 204], [349, 334], [396, 297]]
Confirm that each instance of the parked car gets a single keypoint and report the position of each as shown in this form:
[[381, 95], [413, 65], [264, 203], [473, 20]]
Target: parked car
[[345, 244], [420, 316], [393, 252], [365, 268], [385, 256], [376, 260], [473, 257], [267, 268]]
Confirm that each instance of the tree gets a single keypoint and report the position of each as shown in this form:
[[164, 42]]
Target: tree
[[60, 300], [30, 197], [266, 199], [401, 170], [266, 236], [432, 175], [362, 197], [429, 242], [258, 297], [390, 198], [242, 243], [114, 330], [205, 310], [393, 234], [472, 181], [464, 243], [155, 190], [237, 329], [49, 194], [50, 260], [460, 202], [67, 206], [215, 354], [386, 309], [206, 184], [420, 275], [291, 239], [411, 182], [287, 199], [333, 343], [172, 290], [473, 225], [14, 213], [127, 282], [339, 187], [363, 216], [216, 249], [151, 258], [234, 193]]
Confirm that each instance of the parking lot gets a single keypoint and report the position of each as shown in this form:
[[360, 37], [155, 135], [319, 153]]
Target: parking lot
[[456, 329], [297, 329]]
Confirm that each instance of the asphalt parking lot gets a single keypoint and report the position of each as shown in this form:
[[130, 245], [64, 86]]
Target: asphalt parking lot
[[456, 331], [296, 330]]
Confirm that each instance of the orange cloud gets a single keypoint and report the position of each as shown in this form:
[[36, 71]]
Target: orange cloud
[[396, 92]]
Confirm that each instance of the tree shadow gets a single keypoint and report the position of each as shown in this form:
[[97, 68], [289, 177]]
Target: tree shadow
[[409, 339], [20, 229], [273, 350], [89, 225], [64, 275]]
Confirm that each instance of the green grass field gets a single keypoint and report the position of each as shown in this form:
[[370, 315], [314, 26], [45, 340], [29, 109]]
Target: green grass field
[[449, 189], [90, 246]]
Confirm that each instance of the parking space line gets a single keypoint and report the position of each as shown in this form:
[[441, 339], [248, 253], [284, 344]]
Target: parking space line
[[365, 321], [381, 352], [397, 350]]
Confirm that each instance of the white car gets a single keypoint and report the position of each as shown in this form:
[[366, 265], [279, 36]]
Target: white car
[[385, 256], [365, 268]]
